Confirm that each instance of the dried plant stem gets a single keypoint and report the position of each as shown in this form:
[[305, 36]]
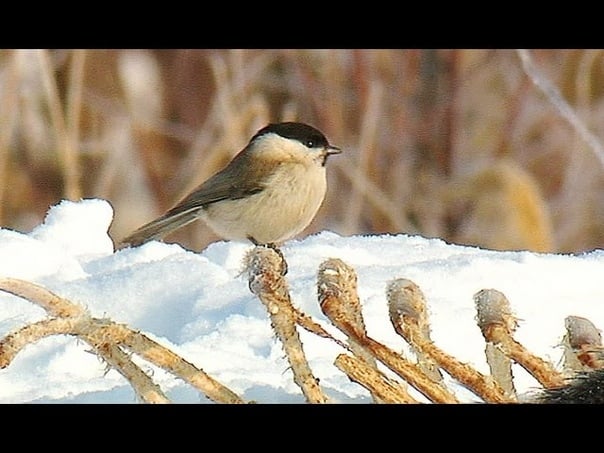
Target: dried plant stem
[[367, 140], [264, 267], [142, 384], [501, 369], [540, 369], [384, 389], [493, 306], [497, 326], [337, 278], [168, 360], [481, 385], [307, 323], [378, 198], [412, 374], [66, 148], [14, 342], [406, 299], [333, 283], [72, 117], [582, 345], [8, 120], [54, 305], [105, 337], [408, 316], [144, 387], [555, 98], [99, 334]]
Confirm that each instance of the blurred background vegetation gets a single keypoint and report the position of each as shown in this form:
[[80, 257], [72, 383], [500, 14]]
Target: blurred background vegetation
[[455, 144]]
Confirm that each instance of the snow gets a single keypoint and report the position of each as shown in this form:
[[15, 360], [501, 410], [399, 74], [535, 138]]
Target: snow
[[199, 306]]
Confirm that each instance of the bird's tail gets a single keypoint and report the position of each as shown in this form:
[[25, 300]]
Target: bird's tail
[[158, 228]]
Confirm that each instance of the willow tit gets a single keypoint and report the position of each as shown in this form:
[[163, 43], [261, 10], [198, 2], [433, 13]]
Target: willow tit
[[267, 194]]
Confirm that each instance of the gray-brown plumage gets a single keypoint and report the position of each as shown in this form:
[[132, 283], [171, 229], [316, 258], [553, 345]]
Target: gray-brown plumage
[[267, 194]]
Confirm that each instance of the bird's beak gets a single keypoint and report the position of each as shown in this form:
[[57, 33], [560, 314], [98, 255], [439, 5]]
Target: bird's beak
[[333, 150], [328, 151]]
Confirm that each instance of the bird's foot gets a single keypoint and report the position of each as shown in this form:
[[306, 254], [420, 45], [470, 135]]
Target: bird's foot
[[284, 268], [273, 246]]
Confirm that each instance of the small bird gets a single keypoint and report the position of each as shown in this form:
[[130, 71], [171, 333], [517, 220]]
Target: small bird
[[267, 194]]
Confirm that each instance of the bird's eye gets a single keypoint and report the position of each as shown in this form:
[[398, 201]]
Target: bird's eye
[[310, 143]]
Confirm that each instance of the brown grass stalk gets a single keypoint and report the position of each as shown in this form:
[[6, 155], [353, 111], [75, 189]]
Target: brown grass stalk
[[68, 150], [264, 267], [497, 326], [8, 120], [553, 95], [367, 143], [383, 388], [75, 88], [380, 200]]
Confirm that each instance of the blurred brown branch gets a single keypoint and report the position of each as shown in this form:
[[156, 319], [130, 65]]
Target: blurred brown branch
[[142, 127]]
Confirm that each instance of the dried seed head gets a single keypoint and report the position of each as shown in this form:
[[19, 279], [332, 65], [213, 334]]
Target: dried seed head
[[581, 331], [492, 307], [405, 298]]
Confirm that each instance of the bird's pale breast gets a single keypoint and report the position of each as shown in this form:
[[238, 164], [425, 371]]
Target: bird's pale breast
[[283, 209]]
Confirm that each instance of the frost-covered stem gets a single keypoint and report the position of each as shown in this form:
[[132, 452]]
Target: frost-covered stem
[[483, 386], [497, 326], [566, 111], [310, 325], [406, 301], [338, 280], [264, 267], [501, 369], [582, 345], [408, 316], [105, 337], [169, 361], [541, 370], [493, 307], [84, 328], [332, 284], [15, 341], [147, 390], [408, 371], [54, 305], [384, 388]]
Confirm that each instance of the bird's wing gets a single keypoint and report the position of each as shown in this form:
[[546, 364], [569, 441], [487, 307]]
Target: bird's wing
[[236, 181], [233, 182]]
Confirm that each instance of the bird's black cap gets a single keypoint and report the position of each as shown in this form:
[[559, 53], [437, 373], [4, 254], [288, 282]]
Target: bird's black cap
[[305, 134]]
